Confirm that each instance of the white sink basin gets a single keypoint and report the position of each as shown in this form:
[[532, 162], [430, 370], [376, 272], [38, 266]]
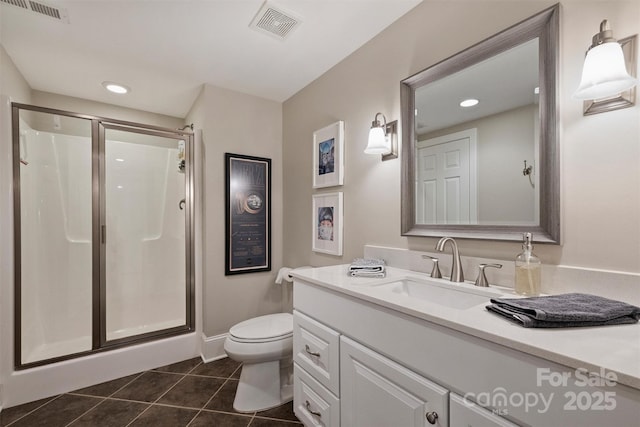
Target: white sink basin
[[450, 295]]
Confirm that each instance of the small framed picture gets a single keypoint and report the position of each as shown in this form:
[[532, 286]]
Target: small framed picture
[[328, 156], [327, 223]]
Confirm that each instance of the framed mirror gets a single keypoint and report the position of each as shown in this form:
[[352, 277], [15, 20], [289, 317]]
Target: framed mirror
[[489, 170]]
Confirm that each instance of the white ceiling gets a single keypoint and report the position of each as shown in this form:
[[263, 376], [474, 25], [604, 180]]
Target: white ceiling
[[166, 49]]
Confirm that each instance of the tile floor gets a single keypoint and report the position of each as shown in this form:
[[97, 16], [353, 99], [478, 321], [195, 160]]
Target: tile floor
[[189, 393]]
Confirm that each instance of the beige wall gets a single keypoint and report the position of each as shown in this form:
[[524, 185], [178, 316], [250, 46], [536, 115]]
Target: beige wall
[[241, 124], [85, 106], [600, 154], [11, 81]]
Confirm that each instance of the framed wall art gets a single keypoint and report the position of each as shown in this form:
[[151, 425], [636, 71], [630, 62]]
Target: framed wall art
[[248, 214], [328, 156], [327, 223]]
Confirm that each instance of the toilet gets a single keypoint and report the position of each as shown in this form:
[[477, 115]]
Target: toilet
[[264, 345]]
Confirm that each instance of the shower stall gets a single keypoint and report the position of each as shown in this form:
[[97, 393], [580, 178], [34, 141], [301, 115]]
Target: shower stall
[[103, 220]]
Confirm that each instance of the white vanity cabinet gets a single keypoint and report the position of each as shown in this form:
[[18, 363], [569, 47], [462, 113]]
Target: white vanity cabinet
[[340, 382], [360, 363]]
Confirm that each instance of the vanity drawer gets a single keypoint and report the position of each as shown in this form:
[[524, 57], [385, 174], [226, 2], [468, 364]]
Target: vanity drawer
[[316, 348], [313, 404], [466, 413]]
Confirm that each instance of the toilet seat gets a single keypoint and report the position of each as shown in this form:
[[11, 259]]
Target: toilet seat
[[272, 327]]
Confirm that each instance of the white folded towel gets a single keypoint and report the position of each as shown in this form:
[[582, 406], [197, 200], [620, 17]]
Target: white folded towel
[[367, 267]]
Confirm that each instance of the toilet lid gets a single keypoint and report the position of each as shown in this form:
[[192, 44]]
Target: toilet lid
[[264, 328]]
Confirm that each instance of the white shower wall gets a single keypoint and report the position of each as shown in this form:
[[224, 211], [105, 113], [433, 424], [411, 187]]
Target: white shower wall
[[55, 190], [145, 258], [145, 239]]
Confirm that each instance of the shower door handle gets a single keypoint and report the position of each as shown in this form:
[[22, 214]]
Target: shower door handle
[[103, 234], [181, 204]]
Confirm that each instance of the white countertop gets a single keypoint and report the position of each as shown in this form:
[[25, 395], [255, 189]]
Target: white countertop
[[600, 350]]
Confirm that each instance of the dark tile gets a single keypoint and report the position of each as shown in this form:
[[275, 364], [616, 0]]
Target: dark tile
[[268, 422], [218, 419], [9, 415], [282, 412], [192, 391], [148, 387], [183, 367], [237, 372], [59, 412], [108, 388], [165, 416], [222, 368], [111, 413], [223, 400]]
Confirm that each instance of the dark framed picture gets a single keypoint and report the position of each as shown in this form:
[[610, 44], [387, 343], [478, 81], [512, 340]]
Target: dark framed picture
[[248, 214]]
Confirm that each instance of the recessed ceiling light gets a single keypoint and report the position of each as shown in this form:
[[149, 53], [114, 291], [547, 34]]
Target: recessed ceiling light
[[469, 102], [115, 87]]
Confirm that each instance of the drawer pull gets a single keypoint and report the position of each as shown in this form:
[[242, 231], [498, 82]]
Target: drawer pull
[[432, 417], [308, 406], [309, 352]]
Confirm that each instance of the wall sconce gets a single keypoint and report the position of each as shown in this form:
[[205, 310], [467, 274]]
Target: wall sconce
[[383, 138], [606, 85]]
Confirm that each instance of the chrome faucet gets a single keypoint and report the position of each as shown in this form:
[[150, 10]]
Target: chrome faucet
[[456, 268]]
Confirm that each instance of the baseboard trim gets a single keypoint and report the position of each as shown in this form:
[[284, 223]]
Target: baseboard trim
[[213, 347]]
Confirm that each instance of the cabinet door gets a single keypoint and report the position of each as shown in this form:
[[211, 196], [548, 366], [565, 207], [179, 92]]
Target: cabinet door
[[468, 414], [377, 392]]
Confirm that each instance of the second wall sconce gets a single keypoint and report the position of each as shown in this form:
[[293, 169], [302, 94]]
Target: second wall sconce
[[608, 76], [383, 138]]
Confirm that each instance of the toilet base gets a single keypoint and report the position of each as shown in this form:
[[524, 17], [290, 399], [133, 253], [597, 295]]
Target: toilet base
[[263, 386]]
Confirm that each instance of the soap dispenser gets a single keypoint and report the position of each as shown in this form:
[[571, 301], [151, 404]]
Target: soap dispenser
[[528, 268]]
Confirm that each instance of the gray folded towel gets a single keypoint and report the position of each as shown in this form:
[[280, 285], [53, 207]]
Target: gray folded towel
[[566, 310], [367, 267]]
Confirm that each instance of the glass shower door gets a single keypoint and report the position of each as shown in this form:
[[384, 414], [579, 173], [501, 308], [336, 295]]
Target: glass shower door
[[144, 216], [53, 208]]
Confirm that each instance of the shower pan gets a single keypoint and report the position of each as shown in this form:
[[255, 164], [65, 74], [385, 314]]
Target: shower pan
[[103, 214]]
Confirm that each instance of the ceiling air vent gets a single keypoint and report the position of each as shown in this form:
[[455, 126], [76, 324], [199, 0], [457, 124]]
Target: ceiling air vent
[[275, 21], [19, 3], [40, 8]]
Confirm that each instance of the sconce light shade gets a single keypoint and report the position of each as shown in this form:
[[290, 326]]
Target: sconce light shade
[[383, 138], [378, 142], [604, 73]]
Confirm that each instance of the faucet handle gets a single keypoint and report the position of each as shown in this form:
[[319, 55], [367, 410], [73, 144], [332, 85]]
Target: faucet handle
[[482, 278], [435, 271]]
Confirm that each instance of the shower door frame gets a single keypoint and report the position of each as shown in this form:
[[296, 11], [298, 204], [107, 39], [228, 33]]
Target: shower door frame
[[98, 220]]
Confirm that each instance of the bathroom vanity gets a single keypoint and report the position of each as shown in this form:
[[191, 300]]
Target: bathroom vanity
[[408, 350]]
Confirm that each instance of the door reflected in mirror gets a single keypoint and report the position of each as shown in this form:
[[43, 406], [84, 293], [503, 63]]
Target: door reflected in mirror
[[458, 180]]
